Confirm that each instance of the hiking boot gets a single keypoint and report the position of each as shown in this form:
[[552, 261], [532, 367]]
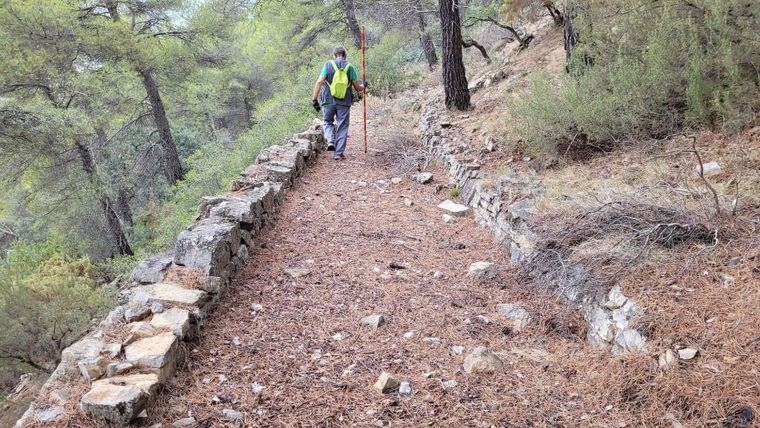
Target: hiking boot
[[330, 147], [339, 157]]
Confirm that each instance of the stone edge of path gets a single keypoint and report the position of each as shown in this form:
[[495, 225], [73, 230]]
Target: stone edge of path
[[607, 312], [130, 353]]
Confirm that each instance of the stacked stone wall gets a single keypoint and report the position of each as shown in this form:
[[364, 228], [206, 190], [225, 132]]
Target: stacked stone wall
[[124, 360]]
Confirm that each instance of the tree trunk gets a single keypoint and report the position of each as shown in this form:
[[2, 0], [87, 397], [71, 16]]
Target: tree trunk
[[112, 220], [427, 42], [353, 24], [172, 165], [122, 205], [454, 76], [113, 9]]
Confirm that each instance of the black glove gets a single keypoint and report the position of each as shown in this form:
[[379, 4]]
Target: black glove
[[364, 84], [315, 103]]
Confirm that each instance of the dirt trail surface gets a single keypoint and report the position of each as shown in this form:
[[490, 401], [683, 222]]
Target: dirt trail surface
[[305, 358]]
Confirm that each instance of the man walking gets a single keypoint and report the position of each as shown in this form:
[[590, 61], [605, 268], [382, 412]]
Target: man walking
[[335, 99]]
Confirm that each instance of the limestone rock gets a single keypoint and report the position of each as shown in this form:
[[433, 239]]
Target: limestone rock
[[48, 414], [482, 270], [628, 340], [405, 388], [172, 294], [119, 399], [137, 311], [709, 168], [232, 415], [667, 360], [687, 353], [176, 320], [396, 180], [423, 177], [87, 347], [448, 219], [153, 269], [616, 298], [297, 272], [116, 369], [386, 383], [240, 210], [153, 352], [457, 350], [142, 329], [452, 208], [92, 368], [481, 360], [374, 320], [184, 422], [516, 314], [408, 202], [207, 245]]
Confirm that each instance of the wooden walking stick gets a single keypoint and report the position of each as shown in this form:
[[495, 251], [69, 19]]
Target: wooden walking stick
[[364, 90]]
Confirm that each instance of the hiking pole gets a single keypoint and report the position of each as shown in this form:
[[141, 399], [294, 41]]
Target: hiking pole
[[364, 89]]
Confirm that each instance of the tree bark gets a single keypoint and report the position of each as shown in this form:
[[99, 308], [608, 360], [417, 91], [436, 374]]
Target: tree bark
[[122, 205], [172, 165], [113, 9], [425, 40], [120, 241], [353, 24], [454, 76]]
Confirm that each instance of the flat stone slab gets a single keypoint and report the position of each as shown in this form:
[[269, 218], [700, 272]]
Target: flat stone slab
[[454, 208], [153, 352], [151, 270], [171, 294], [207, 245], [176, 320], [119, 399]]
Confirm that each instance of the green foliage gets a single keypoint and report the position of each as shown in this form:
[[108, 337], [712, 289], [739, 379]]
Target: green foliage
[[391, 65], [455, 192], [648, 74], [47, 299]]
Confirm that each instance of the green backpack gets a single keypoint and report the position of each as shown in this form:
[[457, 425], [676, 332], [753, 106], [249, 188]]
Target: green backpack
[[340, 81]]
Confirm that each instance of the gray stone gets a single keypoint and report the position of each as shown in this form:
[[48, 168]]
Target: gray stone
[[687, 353], [423, 177], [518, 316], [119, 399], [297, 272], [172, 294], [207, 245], [142, 329], [667, 360], [373, 320], [709, 168], [232, 415], [452, 208], [240, 210], [457, 350], [628, 340], [482, 270], [212, 285], [153, 269], [481, 360], [615, 298], [116, 369], [601, 330], [84, 348], [450, 384], [184, 422], [92, 368], [448, 219], [137, 312], [175, 320], [48, 414], [386, 383], [155, 352], [396, 180], [405, 388]]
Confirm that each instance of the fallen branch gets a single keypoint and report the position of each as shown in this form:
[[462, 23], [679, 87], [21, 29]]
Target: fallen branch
[[524, 42], [716, 200], [469, 43]]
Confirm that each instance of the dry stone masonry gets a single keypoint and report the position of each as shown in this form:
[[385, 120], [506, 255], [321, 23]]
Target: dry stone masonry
[[505, 206], [135, 349]]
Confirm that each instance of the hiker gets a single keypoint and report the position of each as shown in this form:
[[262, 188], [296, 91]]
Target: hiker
[[335, 99]]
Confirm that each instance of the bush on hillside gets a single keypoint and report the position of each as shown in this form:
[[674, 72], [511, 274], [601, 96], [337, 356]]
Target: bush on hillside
[[648, 70], [391, 65], [47, 300]]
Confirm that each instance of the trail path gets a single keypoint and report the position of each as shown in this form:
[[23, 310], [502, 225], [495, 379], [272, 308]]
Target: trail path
[[346, 222]]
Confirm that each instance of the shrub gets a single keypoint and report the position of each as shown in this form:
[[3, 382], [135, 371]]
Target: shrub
[[391, 65], [47, 300], [647, 70]]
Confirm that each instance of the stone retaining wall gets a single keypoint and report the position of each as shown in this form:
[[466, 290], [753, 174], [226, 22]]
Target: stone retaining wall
[[135, 349], [505, 205]]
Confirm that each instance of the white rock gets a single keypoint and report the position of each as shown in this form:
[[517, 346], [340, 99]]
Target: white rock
[[481, 360], [408, 335], [616, 298], [687, 353], [119, 399], [232, 415], [172, 294], [256, 307], [453, 208], [405, 388], [667, 360], [184, 422], [432, 341], [175, 320], [92, 368], [448, 219], [386, 383], [709, 168], [437, 274], [483, 319], [423, 177], [142, 329], [518, 316], [408, 202], [153, 352], [629, 340], [257, 388], [482, 270], [457, 350], [374, 320], [297, 272], [396, 180], [450, 384]]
